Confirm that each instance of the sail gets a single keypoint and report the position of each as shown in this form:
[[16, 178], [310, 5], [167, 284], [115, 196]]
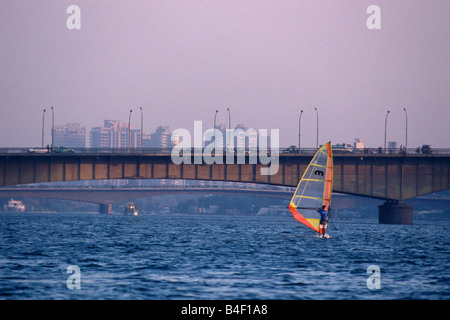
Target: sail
[[314, 189]]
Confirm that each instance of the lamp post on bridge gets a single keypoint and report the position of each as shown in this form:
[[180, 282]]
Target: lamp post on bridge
[[299, 125], [406, 133], [385, 130], [142, 127], [317, 128], [129, 130], [215, 116], [53, 128], [43, 121], [229, 126]]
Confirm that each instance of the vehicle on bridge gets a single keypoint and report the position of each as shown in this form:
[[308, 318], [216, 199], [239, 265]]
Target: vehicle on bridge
[[63, 150], [425, 149], [291, 149], [342, 148], [39, 150]]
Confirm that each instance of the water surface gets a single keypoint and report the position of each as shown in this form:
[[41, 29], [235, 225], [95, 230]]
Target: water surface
[[217, 257]]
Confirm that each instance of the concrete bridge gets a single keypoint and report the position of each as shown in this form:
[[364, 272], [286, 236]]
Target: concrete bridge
[[105, 197], [392, 177]]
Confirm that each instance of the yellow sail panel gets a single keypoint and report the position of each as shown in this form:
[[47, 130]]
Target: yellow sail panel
[[314, 188], [312, 223], [315, 223]]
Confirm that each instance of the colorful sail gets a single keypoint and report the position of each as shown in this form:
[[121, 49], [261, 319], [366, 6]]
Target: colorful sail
[[314, 189]]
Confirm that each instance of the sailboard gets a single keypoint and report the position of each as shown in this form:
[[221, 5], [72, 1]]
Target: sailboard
[[314, 188]]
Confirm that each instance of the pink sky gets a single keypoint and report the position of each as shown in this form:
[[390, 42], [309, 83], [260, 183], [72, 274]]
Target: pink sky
[[265, 60]]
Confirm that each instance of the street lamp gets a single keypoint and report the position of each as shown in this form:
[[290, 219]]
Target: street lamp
[[317, 126], [53, 127], [215, 116], [385, 130], [142, 126], [229, 126], [43, 120], [129, 130], [406, 134], [299, 125]]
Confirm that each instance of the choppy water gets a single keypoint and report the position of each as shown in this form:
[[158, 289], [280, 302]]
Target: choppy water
[[217, 257]]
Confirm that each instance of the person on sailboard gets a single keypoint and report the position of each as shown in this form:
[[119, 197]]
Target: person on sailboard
[[323, 220]]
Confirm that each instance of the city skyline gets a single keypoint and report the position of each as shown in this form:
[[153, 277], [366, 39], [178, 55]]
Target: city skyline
[[265, 61], [115, 134]]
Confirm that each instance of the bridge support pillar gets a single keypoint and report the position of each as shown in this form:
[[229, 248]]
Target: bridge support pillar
[[105, 208], [392, 212]]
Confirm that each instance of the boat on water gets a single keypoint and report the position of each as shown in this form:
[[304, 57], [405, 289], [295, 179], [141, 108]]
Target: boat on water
[[14, 205], [314, 189], [130, 209]]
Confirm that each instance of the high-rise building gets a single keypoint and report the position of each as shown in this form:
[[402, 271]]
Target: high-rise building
[[359, 144], [71, 135], [161, 138], [114, 134], [146, 138], [392, 145], [243, 137], [220, 142]]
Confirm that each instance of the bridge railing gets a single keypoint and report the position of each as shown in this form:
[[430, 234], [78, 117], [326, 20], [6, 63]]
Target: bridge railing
[[290, 150]]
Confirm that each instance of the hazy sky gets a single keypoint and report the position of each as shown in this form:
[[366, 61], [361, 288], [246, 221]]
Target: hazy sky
[[265, 60]]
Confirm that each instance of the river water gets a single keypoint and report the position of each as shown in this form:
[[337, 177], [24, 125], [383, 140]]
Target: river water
[[185, 257]]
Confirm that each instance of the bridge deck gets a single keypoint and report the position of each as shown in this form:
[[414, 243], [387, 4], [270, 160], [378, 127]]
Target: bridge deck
[[386, 176]]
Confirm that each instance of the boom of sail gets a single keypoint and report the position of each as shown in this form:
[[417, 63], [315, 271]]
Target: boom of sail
[[314, 189]]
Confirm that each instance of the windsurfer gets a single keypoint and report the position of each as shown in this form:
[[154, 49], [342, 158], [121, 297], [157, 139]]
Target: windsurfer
[[323, 220]]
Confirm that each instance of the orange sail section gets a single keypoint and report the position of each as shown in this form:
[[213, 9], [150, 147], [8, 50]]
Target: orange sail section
[[307, 222], [314, 188]]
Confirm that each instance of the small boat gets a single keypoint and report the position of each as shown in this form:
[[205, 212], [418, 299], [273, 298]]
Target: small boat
[[130, 209], [14, 205]]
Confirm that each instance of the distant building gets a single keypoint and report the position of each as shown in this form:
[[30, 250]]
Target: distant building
[[220, 143], [114, 134], [359, 144], [146, 138], [245, 137], [72, 135], [392, 145], [161, 138]]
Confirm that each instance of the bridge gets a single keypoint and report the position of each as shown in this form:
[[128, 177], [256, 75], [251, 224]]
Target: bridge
[[392, 177], [107, 196]]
